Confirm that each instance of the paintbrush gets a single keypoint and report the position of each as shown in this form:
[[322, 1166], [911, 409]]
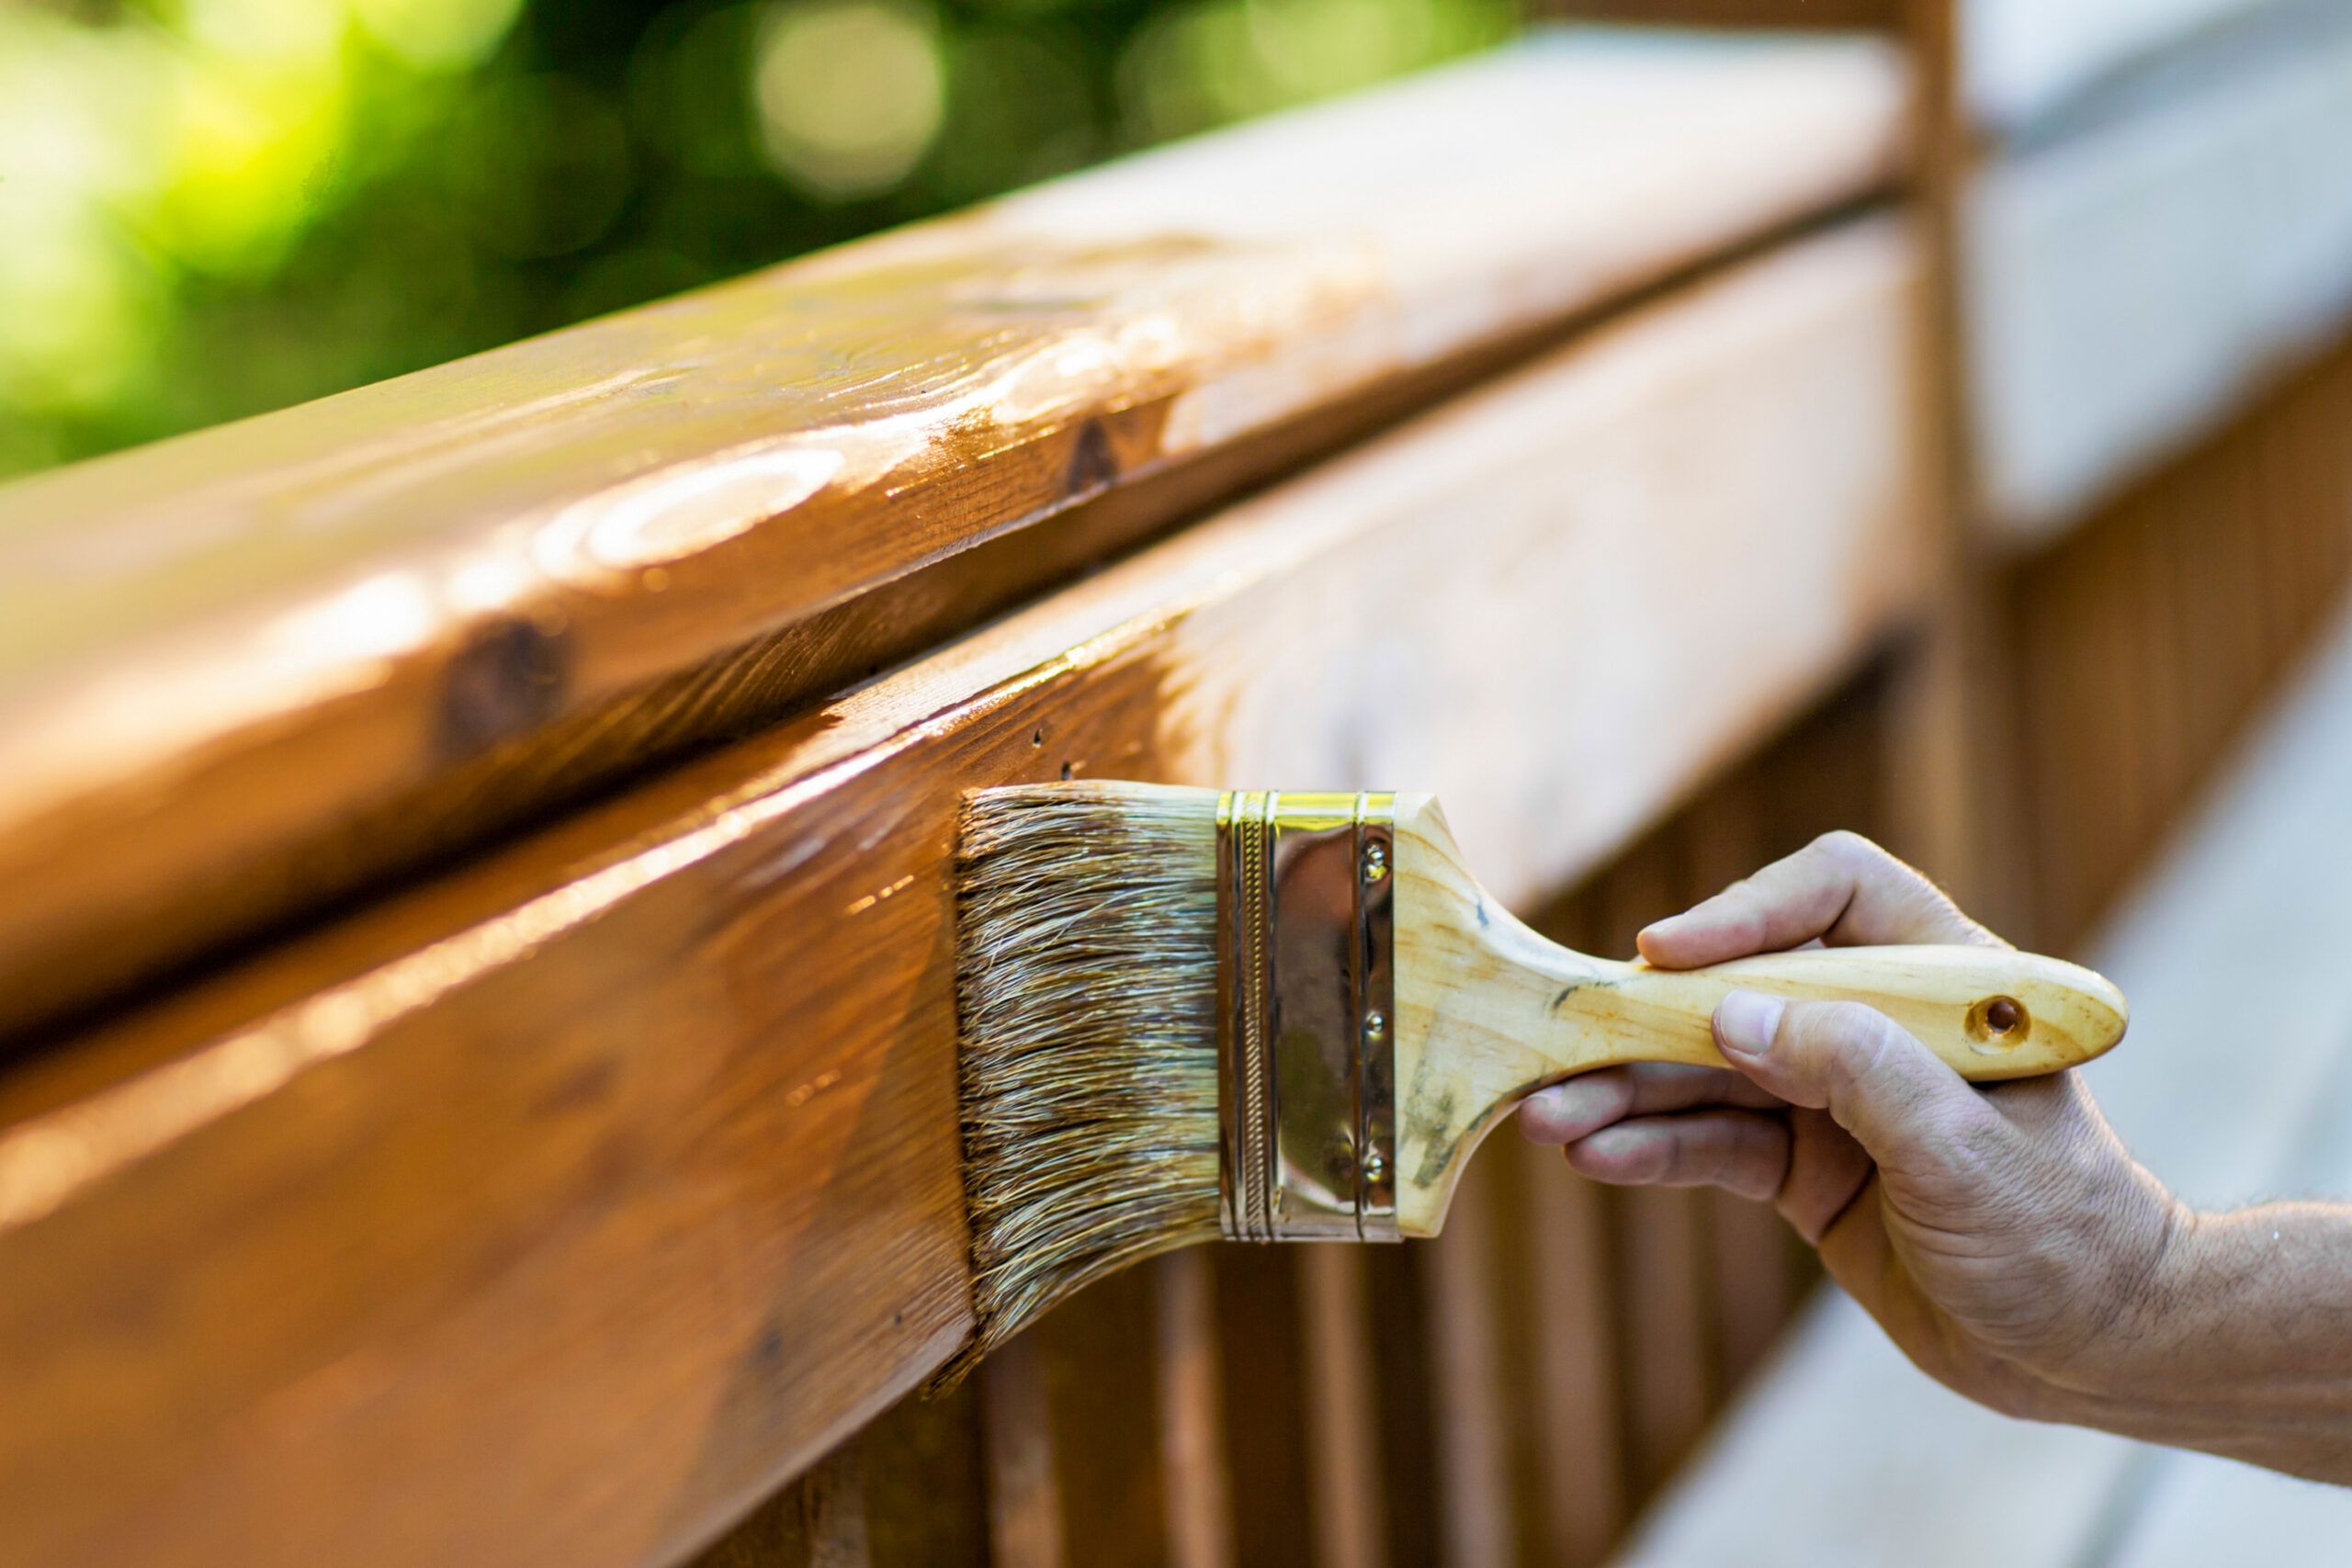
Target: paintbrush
[[1277, 1016]]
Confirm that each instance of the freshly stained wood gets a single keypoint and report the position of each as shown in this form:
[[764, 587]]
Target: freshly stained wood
[[250, 669], [2134, 284], [554, 1212]]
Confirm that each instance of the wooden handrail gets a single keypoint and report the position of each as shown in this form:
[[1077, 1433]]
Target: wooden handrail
[[557, 1209], [245, 671]]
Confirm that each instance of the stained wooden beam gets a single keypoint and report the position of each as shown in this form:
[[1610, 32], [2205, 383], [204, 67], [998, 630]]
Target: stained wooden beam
[[557, 1210], [245, 671]]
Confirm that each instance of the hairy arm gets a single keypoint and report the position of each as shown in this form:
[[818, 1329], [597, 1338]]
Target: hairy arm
[[2003, 1237], [2242, 1344]]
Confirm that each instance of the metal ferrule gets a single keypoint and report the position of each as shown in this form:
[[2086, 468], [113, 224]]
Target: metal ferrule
[[1305, 1037]]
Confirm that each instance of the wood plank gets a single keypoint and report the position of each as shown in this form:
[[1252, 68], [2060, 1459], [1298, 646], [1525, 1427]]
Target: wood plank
[[2134, 284], [637, 1145], [1338, 1323], [1198, 1492], [1569, 1464], [1951, 814], [2149, 632], [250, 669], [925, 1484], [1471, 1481], [1266, 1350], [1100, 1366], [1024, 1493]]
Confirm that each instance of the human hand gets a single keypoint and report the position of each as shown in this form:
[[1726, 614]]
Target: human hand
[[2001, 1236]]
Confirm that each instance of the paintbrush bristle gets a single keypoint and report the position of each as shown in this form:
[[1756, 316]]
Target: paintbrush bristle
[[1087, 989]]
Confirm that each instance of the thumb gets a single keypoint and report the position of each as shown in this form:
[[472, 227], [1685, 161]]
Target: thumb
[[1901, 1103]]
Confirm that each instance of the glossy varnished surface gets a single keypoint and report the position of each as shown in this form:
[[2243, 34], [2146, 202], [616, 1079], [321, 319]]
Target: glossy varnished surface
[[554, 1212], [244, 671]]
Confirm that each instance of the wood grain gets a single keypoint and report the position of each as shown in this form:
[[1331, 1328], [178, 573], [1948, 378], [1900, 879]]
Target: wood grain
[[1266, 1355], [1562, 1361], [637, 1144], [1103, 1418], [1336, 1326], [1478, 1525], [2146, 638], [1195, 1481], [246, 670]]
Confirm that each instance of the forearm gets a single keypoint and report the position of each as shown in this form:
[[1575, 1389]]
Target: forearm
[[2242, 1343]]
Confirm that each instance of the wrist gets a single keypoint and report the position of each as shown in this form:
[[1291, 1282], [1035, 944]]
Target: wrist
[[2133, 1352], [2239, 1342]]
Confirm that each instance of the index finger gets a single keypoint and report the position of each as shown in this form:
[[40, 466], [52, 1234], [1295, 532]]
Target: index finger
[[1841, 888]]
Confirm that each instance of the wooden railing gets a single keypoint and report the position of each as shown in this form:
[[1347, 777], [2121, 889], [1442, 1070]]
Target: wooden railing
[[478, 945]]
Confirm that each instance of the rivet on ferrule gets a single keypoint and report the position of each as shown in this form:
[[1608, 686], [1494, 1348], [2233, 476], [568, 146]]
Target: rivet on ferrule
[[1306, 1067]]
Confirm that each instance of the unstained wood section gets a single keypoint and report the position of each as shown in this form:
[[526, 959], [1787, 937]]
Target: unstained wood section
[[242, 671], [556, 1211]]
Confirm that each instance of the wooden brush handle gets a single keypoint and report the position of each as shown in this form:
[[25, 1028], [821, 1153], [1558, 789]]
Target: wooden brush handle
[[1488, 1011], [1991, 1013]]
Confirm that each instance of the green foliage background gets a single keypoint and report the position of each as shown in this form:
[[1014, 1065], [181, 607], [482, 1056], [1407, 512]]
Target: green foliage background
[[213, 207]]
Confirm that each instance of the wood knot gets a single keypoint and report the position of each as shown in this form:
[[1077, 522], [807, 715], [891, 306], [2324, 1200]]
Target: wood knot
[[508, 677], [1093, 464]]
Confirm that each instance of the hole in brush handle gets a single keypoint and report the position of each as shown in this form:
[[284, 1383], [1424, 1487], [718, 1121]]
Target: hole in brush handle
[[2000, 1022]]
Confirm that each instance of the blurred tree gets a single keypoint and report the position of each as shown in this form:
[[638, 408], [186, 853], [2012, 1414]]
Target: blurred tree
[[213, 207]]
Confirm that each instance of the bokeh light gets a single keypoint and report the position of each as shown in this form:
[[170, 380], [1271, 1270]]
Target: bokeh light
[[212, 208], [851, 91], [437, 35]]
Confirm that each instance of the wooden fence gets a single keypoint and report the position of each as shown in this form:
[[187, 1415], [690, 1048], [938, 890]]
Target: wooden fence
[[477, 961]]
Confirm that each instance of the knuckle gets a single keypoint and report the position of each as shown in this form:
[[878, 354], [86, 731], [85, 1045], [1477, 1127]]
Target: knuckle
[[1740, 1165], [1648, 1165], [1849, 1039], [1657, 1159], [1846, 841], [1850, 852], [1977, 1184]]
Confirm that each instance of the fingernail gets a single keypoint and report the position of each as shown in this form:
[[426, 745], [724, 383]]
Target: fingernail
[[1747, 1020]]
